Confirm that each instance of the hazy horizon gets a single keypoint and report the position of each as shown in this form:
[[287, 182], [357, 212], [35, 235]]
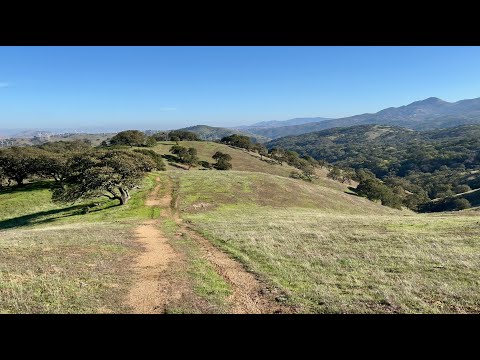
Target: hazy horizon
[[173, 87]]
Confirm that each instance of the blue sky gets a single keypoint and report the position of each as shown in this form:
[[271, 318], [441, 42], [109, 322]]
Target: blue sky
[[172, 87]]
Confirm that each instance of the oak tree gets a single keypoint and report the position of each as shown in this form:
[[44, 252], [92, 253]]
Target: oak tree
[[103, 173]]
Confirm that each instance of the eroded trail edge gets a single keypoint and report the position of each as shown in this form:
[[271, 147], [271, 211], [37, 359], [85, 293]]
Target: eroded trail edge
[[158, 284]]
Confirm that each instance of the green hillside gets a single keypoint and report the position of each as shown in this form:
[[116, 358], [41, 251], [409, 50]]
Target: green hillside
[[57, 259], [243, 160], [245, 189], [431, 163], [333, 252], [324, 249]]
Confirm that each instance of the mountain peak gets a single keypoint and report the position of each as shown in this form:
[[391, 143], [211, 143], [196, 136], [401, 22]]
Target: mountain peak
[[429, 101]]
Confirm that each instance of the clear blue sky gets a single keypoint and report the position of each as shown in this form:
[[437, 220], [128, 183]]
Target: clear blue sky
[[172, 87]]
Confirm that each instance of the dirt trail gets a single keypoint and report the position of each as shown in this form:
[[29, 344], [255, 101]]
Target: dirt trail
[[157, 284], [249, 295], [153, 287]]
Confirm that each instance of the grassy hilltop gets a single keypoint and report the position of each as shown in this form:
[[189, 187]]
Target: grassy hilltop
[[327, 249]]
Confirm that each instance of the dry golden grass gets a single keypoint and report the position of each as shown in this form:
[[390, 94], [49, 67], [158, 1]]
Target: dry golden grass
[[65, 269], [242, 160], [215, 188]]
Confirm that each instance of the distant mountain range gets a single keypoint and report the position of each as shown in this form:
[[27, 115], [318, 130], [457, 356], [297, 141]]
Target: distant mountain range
[[428, 114], [279, 123]]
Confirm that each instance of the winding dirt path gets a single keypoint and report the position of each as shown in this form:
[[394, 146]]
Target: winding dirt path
[[153, 287], [157, 282]]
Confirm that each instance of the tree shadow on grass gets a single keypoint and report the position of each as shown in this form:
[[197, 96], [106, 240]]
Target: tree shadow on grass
[[170, 158], [48, 216], [177, 166], [35, 186], [353, 192]]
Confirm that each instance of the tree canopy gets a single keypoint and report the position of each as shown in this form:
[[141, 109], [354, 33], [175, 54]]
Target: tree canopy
[[19, 163], [129, 137], [223, 161], [156, 157], [180, 135], [111, 173], [240, 141], [185, 155], [429, 165]]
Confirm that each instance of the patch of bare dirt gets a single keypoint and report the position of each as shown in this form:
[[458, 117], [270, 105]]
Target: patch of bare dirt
[[154, 289], [201, 206], [148, 295]]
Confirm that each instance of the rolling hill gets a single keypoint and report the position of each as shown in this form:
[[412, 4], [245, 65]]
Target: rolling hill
[[428, 114], [430, 163], [208, 241], [94, 139], [210, 133], [380, 147]]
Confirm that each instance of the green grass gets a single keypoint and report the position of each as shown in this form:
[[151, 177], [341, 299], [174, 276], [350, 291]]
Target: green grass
[[243, 160], [330, 251], [55, 259], [207, 283], [65, 269], [338, 253], [241, 188], [31, 205], [334, 263]]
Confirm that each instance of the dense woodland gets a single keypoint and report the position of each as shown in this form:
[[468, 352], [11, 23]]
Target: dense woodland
[[431, 165]]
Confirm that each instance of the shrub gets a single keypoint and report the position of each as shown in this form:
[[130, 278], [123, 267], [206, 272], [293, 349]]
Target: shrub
[[461, 189]]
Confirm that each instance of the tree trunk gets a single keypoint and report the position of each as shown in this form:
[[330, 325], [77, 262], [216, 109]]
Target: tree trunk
[[124, 196]]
